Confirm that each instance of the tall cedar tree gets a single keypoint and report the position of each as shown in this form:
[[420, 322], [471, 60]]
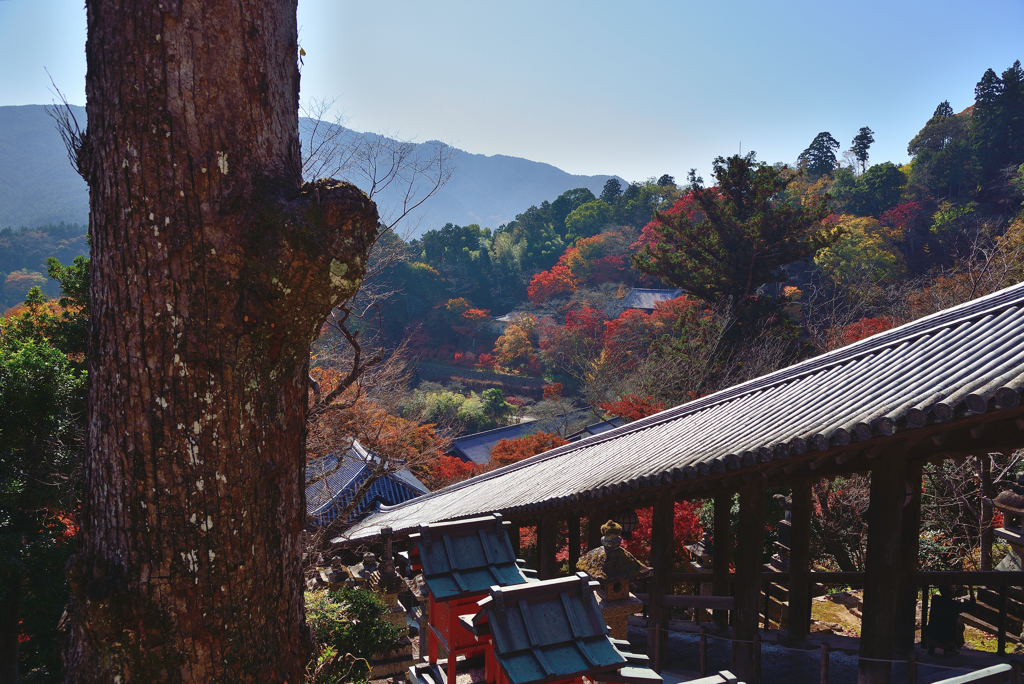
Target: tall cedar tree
[[737, 236], [213, 268], [861, 144], [819, 158]]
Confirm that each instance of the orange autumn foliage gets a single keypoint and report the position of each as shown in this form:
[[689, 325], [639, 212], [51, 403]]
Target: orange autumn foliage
[[509, 451], [866, 327], [448, 470], [631, 407]]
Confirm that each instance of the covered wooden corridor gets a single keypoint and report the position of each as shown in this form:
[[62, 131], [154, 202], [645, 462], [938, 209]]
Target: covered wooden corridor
[[941, 387]]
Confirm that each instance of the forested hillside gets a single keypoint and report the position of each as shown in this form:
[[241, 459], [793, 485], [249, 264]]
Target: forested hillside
[[775, 262], [23, 255], [38, 186]]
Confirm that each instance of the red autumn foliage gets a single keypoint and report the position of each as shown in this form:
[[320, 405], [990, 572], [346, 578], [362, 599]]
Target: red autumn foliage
[[586, 321], [547, 284], [485, 360], [449, 469], [866, 327], [631, 332], [591, 261], [651, 235], [686, 526], [509, 451], [631, 407], [553, 391], [906, 216]]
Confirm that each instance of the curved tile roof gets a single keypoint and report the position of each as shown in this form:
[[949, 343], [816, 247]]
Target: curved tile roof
[[961, 361]]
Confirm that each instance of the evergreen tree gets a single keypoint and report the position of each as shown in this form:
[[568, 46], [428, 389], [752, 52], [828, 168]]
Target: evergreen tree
[[1011, 111], [819, 158], [568, 202], [737, 236], [612, 190], [987, 132], [944, 161], [861, 142], [943, 110]]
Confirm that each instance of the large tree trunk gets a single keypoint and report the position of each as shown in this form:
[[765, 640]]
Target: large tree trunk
[[212, 271], [10, 627]]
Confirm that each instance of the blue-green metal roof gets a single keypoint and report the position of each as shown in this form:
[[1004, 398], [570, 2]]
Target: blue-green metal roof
[[465, 557]]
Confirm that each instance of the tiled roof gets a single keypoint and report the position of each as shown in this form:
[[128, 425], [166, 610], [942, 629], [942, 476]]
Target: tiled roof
[[962, 361], [646, 298], [477, 447], [332, 482], [596, 429]]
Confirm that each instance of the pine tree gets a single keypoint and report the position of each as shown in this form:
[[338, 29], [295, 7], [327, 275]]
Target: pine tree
[[943, 111], [736, 237]]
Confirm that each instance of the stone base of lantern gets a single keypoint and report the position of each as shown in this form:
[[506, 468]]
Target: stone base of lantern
[[396, 661], [616, 612], [397, 614]]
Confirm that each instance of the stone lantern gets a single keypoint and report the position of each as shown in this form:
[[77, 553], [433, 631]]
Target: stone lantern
[[780, 560], [613, 567], [382, 579], [329, 577], [1011, 503], [701, 559], [359, 574]]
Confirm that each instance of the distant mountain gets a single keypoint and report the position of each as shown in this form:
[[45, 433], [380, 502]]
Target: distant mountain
[[492, 190], [38, 185]]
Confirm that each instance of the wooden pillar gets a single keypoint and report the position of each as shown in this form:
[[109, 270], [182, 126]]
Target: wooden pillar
[[987, 529], [547, 532], [749, 563], [573, 523], [800, 561], [722, 536], [906, 597], [513, 537], [594, 521], [662, 524], [882, 571]]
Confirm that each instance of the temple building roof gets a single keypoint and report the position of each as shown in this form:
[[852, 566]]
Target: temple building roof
[[947, 368]]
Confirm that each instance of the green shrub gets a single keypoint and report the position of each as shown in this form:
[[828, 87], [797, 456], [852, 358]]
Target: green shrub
[[348, 628]]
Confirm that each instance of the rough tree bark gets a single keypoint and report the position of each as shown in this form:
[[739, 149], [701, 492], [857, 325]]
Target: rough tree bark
[[213, 268]]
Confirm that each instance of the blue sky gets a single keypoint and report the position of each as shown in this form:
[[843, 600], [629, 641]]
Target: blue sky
[[630, 88]]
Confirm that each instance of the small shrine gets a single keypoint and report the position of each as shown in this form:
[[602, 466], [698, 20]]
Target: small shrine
[[460, 562], [553, 632], [613, 568]]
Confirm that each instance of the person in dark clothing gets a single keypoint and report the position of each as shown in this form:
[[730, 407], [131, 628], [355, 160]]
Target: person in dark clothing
[[945, 630]]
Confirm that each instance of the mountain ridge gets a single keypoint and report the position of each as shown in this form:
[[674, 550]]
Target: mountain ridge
[[38, 186]]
